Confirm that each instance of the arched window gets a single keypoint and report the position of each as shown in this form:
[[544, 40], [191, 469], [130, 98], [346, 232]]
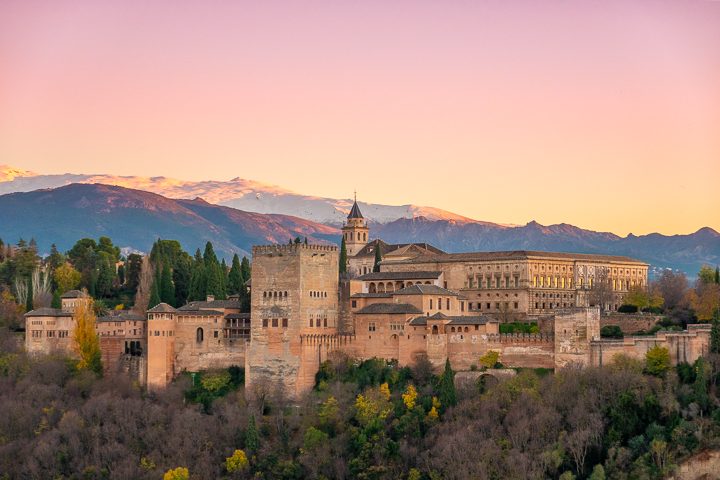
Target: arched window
[[434, 330], [199, 335]]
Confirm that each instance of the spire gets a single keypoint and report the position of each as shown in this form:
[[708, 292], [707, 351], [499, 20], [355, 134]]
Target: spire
[[355, 210]]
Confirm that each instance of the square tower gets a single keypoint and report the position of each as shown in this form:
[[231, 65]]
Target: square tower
[[294, 293]]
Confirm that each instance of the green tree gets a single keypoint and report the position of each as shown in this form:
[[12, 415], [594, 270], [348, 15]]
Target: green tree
[[133, 266], [378, 258], [598, 473], [55, 259], [235, 279], [181, 277], [447, 394], [154, 295], [343, 257], [706, 275], [245, 269], [56, 300], [252, 438], [167, 289], [105, 274], [198, 282], [657, 361], [715, 334]]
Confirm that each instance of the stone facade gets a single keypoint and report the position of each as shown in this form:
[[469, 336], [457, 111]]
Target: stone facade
[[294, 299], [52, 330]]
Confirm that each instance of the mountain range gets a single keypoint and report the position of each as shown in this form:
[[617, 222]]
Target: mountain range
[[134, 218]]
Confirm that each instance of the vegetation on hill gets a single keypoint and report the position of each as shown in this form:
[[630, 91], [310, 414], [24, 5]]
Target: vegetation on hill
[[369, 420]]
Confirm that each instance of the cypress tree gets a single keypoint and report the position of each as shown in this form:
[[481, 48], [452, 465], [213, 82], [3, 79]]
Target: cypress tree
[[717, 274], [715, 333], [154, 295], [378, 258], [167, 289], [181, 279], [235, 279], [56, 302], [245, 269], [198, 282], [448, 395], [252, 439], [343, 257], [305, 241], [29, 302]]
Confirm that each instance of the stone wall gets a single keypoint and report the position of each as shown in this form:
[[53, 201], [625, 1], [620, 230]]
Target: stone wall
[[574, 330], [630, 323]]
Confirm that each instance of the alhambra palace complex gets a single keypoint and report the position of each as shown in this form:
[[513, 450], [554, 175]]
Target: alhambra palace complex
[[422, 302]]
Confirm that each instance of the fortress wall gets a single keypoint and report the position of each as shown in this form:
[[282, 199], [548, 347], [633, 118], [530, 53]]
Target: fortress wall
[[630, 323]]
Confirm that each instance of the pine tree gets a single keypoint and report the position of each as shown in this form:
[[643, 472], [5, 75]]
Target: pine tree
[[715, 333], [55, 259], [209, 256], [181, 279], [167, 289], [245, 269], [154, 295], [305, 241], [29, 302], [198, 282], [717, 274], [343, 257], [378, 258], [235, 280], [448, 395]]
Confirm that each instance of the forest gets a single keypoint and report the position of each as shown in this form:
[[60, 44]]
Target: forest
[[368, 420]]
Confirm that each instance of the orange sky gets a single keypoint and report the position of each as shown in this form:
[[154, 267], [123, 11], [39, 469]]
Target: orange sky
[[605, 115]]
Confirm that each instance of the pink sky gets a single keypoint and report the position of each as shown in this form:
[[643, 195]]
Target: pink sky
[[605, 115]]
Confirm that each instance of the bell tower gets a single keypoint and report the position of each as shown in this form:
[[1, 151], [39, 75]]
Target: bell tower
[[355, 230]]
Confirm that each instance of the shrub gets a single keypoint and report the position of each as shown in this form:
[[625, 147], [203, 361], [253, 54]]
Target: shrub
[[611, 331], [628, 308]]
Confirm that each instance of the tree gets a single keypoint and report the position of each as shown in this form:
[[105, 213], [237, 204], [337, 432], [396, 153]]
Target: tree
[[181, 277], [447, 393], [706, 274], [252, 439], [705, 300], [105, 274], [343, 257], [245, 269], [657, 361], [715, 334], [673, 287], [179, 473], [410, 397], [601, 292], [154, 295], [167, 289], [133, 266], [238, 462], [87, 344], [490, 359], [198, 281], [55, 259], [378, 258], [235, 279], [643, 298]]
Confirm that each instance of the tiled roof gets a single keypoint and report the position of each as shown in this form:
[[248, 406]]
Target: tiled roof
[[389, 249], [162, 308], [112, 316], [371, 295], [422, 289], [517, 255], [237, 316], [379, 308], [454, 320], [201, 304], [199, 313], [47, 312], [399, 275]]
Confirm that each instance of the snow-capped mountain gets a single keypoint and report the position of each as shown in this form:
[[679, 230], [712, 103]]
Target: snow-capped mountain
[[246, 195]]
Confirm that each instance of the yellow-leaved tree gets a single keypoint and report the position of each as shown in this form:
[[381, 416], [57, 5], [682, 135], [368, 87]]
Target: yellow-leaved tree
[[87, 344], [179, 473], [66, 278], [409, 397], [238, 462]]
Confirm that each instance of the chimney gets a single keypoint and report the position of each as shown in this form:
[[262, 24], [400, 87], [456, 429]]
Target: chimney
[[211, 298]]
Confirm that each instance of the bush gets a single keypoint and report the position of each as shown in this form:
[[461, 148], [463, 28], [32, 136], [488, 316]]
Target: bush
[[628, 308], [519, 327], [611, 331]]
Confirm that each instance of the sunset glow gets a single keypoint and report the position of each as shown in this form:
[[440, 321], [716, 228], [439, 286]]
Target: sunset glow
[[605, 115]]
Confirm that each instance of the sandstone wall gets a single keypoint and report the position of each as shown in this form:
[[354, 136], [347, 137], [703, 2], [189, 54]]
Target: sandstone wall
[[630, 323]]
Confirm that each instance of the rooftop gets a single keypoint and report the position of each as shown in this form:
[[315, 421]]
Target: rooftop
[[388, 308], [518, 255], [454, 320], [422, 289], [355, 211], [202, 304], [162, 308], [47, 312], [400, 275], [74, 294]]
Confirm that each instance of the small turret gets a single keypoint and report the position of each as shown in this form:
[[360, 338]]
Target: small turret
[[355, 230]]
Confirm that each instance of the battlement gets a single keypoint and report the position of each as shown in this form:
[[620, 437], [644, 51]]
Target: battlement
[[521, 338], [280, 249], [329, 339]]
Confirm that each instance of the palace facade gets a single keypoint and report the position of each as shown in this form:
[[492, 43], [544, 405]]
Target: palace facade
[[422, 302]]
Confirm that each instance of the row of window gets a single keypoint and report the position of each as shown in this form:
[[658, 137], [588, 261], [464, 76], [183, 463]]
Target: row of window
[[440, 303], [316, 294], [318, 323], [488, 305], [539, 305], [49, 333], [361, 237], [275, 294], [274, 322]]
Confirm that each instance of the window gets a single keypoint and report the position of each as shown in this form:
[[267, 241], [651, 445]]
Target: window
[[199, 335], [487, 305], [265, 322], [311, 322], [325, 322], [515, 305], [215, 334], [371, 327], [354, 304], [431, 304], [448, 304], [284, 322], [317, 322], [274, 322]]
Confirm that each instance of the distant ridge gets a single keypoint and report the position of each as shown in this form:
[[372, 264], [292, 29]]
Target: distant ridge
[[135, 218]]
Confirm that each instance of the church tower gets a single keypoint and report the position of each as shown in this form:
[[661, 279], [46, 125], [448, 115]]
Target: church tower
[[355, 231]]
